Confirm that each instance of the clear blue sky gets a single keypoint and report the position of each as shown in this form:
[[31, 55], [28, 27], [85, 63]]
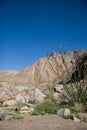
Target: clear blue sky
[[31, 28]]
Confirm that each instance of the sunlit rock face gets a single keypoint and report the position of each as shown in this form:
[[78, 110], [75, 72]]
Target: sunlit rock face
[[47, 70], [51, 68]]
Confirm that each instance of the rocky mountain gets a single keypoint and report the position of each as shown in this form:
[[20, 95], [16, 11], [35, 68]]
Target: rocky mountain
[[51, 68], [47, 70]]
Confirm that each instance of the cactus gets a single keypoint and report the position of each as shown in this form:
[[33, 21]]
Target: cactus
[[3, 116]]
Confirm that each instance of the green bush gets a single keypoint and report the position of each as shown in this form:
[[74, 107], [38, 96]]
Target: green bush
[[44, 108]]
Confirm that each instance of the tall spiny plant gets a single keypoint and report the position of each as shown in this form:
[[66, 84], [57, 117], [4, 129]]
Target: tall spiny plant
[[76, 94]]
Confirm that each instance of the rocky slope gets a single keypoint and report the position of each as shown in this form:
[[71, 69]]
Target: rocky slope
[[46, 70]]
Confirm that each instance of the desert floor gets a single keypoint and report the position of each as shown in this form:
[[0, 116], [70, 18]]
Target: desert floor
[[45, 122]]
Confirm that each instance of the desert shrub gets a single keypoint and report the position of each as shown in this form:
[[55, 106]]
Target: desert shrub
[[50, 98], [77, 92], [44, 108], [3, 115]]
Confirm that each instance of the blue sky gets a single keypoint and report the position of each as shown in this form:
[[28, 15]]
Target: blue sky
[[31, 28]]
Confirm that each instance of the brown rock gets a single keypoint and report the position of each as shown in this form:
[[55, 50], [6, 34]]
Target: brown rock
[[5, 98]]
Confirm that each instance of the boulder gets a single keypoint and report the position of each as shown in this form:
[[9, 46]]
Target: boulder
[[22, 97], [25, 95], [39, 96], [5, 98], [63, 112], [10, 102]]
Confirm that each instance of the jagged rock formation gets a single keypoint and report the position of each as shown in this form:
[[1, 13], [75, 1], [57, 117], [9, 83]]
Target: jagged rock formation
[[47, 70]]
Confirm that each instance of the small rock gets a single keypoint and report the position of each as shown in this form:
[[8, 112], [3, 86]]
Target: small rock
[[29, 110], [76, 119], [63, 112], [59, 88], [24, 108]]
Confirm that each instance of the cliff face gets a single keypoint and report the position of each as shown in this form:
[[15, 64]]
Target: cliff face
[[47, 70]]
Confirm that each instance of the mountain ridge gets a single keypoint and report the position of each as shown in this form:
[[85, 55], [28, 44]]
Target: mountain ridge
[[46, 70]]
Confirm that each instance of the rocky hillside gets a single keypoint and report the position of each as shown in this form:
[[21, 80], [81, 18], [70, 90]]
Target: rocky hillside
[[47, 70]]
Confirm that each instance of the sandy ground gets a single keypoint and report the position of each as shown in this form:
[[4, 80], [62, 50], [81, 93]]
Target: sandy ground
[[46, 122]]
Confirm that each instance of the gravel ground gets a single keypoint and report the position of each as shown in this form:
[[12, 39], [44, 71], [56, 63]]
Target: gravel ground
[[46, 122]]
